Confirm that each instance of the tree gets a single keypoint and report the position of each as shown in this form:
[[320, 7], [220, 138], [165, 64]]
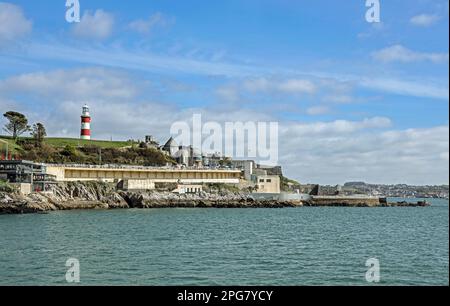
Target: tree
[[69, 150], [17, 125], [39, 133]]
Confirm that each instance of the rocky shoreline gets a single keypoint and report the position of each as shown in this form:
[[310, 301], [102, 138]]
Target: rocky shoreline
[[71, 196]]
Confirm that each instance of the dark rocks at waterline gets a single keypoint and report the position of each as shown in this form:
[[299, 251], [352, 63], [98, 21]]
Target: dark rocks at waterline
[[96, 195], [203, 200], [337, 201], [366, 204], [32, 207], [71, 196], [409, 204]]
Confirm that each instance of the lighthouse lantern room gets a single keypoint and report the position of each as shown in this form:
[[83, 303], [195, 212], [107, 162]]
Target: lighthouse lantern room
[[85, 123]]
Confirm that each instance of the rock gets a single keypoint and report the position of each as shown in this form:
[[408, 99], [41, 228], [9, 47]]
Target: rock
[[97, 195]]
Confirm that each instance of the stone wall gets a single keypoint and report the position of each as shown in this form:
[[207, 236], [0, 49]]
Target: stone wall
[[23, 188], [343, 201], [137, 185]]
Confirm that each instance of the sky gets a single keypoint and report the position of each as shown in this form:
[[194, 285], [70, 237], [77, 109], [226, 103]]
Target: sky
[[355, 101]]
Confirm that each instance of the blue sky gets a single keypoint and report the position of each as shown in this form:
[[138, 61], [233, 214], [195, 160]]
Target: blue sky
[[355, 101]]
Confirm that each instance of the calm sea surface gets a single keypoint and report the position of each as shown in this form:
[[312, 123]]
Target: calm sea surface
[[298, 246]]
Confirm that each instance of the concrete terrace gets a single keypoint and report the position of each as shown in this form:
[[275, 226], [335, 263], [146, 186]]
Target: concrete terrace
[[163, 175]]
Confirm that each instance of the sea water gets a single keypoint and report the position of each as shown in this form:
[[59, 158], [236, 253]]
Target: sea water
[[291, 246]]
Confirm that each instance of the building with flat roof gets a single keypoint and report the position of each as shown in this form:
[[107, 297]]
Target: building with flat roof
[[19, 171], [247, 166], [268, 183], [23, 172], [185, 188], [112, 173]]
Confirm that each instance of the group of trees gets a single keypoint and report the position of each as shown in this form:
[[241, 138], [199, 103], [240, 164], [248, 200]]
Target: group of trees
[[18, 125]]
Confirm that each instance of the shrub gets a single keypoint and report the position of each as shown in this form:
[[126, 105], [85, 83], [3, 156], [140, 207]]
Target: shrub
[[6, 187]]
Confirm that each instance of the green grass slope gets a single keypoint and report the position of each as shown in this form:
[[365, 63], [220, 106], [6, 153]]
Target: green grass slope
[[62, 142], [71, 150]]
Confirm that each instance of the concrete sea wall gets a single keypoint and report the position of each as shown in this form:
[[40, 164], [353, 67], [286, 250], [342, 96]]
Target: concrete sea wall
[[344, 201]]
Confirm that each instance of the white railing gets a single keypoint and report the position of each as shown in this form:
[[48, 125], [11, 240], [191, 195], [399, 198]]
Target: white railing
[[134, 167]]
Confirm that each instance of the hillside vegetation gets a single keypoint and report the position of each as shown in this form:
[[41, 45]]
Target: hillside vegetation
[[69, 150], [62, 142], [8, 142], [289, 185]]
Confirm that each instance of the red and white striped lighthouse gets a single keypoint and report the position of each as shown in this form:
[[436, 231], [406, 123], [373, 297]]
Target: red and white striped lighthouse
[[85, 123]]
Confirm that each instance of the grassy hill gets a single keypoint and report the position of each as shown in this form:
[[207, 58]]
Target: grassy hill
[[70, 150], [62, 142]]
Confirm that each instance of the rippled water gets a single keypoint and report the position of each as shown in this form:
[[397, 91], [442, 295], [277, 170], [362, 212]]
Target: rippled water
[[298, 246]]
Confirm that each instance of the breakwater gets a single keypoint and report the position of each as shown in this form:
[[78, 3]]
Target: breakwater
[[358, 201]]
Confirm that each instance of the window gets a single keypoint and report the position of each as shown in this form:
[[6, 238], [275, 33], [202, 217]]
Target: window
[[261, 180], [269, 181]]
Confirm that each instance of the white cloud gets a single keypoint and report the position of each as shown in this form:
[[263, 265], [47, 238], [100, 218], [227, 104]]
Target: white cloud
[[134, 60], [337, 127], [289, 86], [147, 26], [228, 93], [83, 83], [258, 85], [398, 53], [7, 104], [422, 88], [357, 152], [112, 96], [374, 29], [13, 23], [424, 20], [321, 152], [95, 26], [297, 86], [340, 99], [317, 110]]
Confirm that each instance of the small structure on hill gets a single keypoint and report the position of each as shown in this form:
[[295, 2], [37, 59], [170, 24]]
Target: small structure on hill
[[85, 123]]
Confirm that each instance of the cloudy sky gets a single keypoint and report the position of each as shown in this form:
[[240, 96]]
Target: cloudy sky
[[354, 100]]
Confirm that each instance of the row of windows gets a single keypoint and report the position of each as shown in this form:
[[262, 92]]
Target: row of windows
[[8, 167], [192, 190], [267, 180]]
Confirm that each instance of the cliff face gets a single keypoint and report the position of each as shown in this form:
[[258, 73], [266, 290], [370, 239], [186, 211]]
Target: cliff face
[[63, 197]]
